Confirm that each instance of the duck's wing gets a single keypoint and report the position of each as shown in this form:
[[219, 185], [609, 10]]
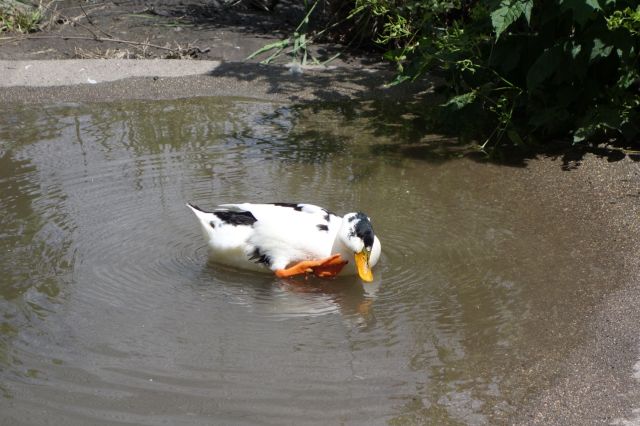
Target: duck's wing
[[292, 211], [285, 233], [223, 216], [225, 229]]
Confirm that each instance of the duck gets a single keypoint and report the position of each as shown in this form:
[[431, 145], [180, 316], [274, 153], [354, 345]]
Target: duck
[[290, 239]]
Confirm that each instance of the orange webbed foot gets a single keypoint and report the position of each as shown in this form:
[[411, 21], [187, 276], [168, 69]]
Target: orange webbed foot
[[323, 268], [299, 268], [330, 267]]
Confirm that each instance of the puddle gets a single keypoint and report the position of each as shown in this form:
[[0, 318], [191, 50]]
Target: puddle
[[111, 312]]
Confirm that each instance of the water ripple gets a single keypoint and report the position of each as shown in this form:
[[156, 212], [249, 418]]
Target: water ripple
[[113, 309]]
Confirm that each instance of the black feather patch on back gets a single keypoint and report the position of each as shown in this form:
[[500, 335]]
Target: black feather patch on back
[[296, 207], [236, 218], [259, 257], [322, 227]]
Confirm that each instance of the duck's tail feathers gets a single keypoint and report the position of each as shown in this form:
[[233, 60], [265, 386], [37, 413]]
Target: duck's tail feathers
[[206, 220], [204, 216], [194, 207]]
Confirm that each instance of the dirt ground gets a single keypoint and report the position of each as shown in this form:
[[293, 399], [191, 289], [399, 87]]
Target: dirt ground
[[190, 29]]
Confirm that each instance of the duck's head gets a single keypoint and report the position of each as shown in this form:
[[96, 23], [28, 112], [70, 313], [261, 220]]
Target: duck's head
[[357, 234]]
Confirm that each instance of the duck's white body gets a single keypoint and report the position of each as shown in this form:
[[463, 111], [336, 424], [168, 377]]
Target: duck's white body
[[271, 237]]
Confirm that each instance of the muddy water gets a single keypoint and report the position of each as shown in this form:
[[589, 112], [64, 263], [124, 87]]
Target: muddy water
[[111, 312]]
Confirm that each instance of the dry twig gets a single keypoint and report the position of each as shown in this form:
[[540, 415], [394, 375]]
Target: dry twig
[[144, 44]]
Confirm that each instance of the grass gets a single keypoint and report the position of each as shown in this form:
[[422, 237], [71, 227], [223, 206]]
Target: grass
[[298, 43], [20, 17]]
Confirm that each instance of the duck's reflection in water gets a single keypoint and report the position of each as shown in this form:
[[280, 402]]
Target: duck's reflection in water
[[303, 296]]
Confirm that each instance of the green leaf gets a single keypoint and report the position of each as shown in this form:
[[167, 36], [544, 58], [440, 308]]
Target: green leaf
[[546, 65], [629, 130], [547, 118], [458, 102], [586, 132], [599, 50], [581, 134], [267, 47], [514, 137], [582, 9], [627, 78], [398, 80], [575, 50], [527, 11], [508, 13]]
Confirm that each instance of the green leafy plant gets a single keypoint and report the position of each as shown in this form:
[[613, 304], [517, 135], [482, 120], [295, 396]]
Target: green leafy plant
[[296, 46], [627, 18], [526, 72], [20, 17]]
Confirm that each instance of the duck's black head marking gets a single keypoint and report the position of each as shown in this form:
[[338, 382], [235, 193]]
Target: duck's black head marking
[[363, 228]]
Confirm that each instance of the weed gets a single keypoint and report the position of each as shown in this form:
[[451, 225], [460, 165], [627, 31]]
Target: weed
[[16, 16], [527, 72], [296, 45], [515, 72]]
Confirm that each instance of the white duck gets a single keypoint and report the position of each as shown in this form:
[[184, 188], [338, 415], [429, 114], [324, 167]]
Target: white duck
[[290, 239]]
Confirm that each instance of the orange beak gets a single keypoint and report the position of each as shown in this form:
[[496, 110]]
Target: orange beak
[[362, 264]]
